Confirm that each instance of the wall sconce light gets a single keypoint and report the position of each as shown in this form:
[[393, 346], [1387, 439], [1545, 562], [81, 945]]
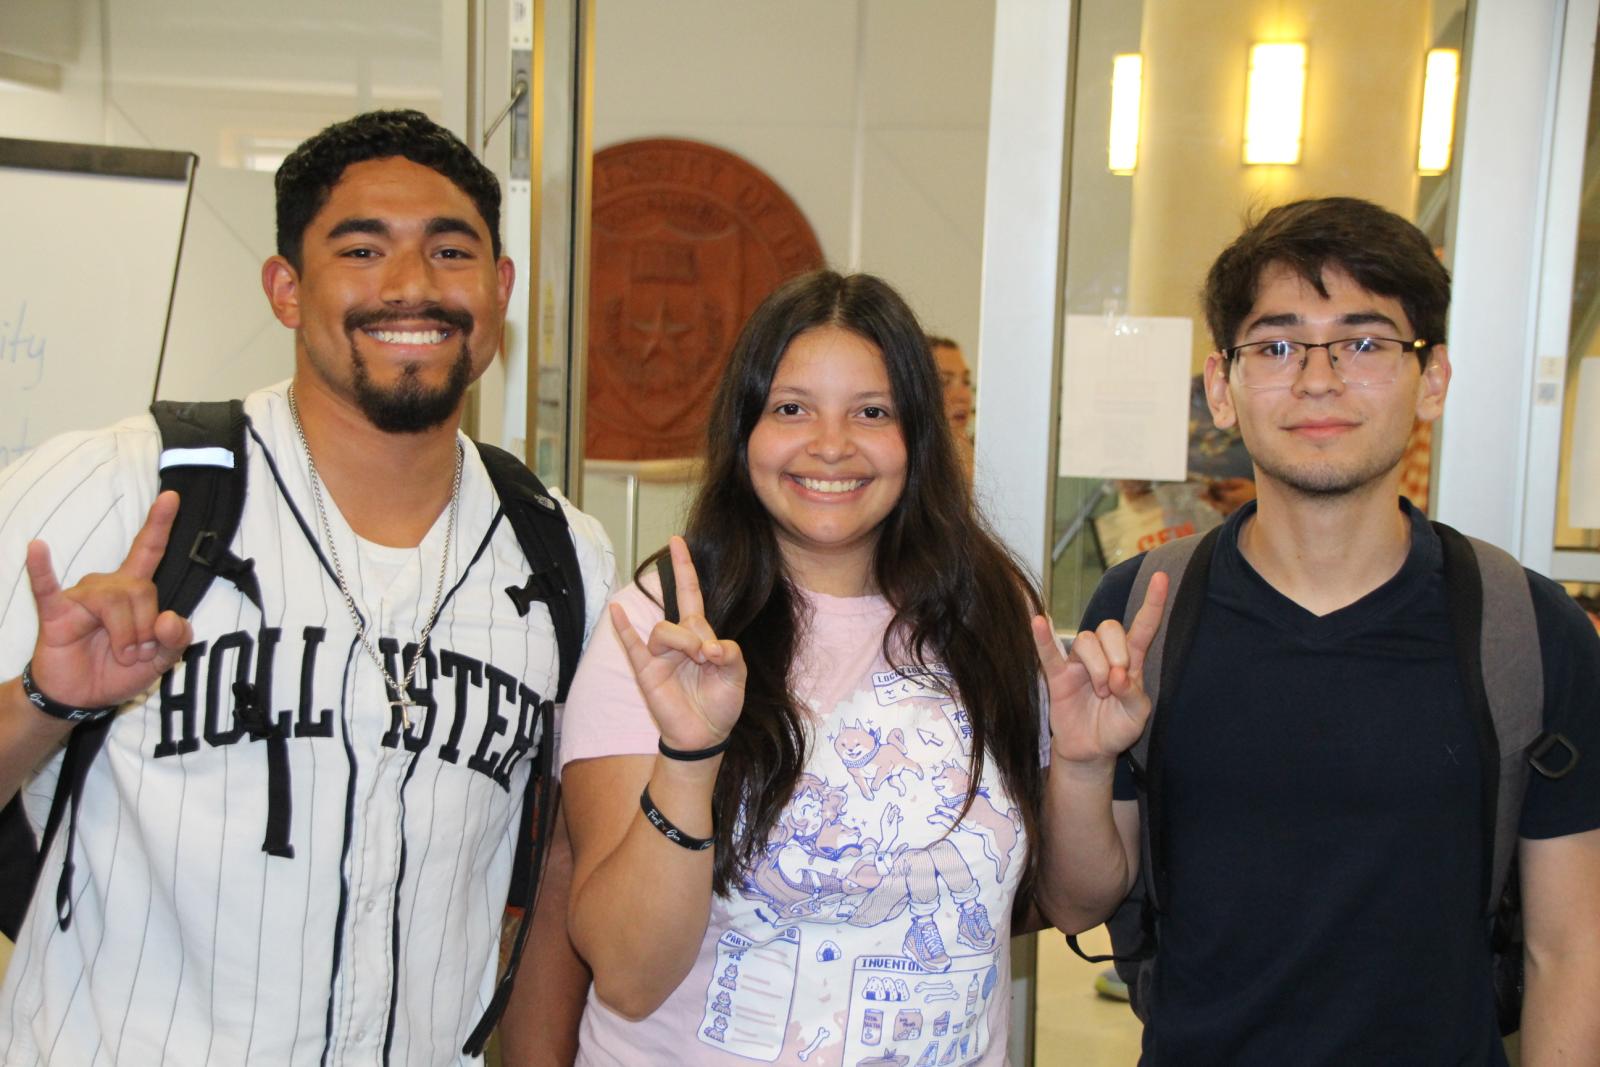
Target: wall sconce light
[[1275, 108], [1127, 83], [1434, 143]]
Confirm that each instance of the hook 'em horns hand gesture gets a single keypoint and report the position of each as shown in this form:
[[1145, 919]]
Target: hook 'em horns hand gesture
[[106, 640], [693, 682], [1098, 706]]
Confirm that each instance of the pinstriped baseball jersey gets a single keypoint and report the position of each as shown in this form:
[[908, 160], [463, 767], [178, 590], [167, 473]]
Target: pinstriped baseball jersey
[[377, 941]]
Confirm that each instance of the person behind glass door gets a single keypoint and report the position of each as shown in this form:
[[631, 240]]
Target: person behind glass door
[[955, 378], [793, 838]]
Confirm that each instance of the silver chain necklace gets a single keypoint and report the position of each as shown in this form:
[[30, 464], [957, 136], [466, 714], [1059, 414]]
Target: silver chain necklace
[[400, 689]]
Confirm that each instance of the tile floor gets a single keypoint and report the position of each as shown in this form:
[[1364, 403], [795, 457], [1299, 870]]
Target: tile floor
[[1074, 1026]]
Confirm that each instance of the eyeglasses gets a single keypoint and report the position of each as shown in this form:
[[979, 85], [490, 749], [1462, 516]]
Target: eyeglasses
[[1356, 360]]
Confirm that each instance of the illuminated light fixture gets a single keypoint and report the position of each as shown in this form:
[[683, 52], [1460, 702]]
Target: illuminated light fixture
[[1442, 71], [1275, 111], [1127, 82]]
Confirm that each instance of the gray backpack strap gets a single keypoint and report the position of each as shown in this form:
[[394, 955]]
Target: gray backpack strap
[[1513, 682], [1167, 650], [1173, 558], [1133, 930]]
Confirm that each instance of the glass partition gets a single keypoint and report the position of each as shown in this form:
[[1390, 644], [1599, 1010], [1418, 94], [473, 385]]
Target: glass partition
[[856, 130], [1167, 114], [1578, 495], [1171, 104], [1577, 519]]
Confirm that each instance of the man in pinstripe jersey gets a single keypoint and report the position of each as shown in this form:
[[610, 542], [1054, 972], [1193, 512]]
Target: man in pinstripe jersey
[[371, 935]]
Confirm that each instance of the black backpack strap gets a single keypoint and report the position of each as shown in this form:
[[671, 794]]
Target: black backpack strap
[[537, 824], [83, 744], [203, 458], [555, 580]]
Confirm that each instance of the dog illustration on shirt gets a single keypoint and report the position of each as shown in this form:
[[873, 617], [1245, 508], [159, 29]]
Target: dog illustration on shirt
[[874, 762], [999, 830]]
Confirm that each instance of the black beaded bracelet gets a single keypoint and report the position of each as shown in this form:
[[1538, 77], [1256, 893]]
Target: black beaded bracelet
[[54, 708], [689, 755], [669, 831]]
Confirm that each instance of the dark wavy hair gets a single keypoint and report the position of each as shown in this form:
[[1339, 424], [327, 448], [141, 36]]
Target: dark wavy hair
[[959, 597], [306, 178], [1382, 253]]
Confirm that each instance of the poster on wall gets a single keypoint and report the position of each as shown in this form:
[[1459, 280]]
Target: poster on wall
[[1125, 397]]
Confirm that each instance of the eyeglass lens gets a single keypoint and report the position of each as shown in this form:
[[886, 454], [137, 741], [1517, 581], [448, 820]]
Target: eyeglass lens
[[1355, 360]]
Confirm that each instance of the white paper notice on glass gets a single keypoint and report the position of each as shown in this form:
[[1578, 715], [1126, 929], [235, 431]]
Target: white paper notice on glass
[[1583, 499], [1125, 397]]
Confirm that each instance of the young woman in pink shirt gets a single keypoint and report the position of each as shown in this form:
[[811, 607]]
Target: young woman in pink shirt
[[803, 812]]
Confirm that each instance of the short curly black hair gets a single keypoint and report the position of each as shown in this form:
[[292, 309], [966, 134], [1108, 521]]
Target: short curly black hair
[[306, 178], [1381, 251]]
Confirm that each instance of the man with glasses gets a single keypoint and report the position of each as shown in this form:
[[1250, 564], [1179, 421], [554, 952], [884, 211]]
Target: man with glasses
[[1320, 833]]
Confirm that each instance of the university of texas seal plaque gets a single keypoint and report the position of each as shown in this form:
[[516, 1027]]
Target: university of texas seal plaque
[[685, 241]]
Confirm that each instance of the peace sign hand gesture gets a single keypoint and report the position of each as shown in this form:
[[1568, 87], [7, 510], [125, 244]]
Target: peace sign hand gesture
[[693, 682], [106, 640], [1098, 706]]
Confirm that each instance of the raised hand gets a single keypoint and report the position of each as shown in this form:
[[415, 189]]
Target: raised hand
[[105, 640], [693, 682], [1098, 706]]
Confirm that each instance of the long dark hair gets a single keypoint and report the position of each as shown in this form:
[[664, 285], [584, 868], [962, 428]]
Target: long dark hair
[[959, 598]]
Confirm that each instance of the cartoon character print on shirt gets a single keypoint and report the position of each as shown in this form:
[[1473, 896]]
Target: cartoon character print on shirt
[[874, 763], [863, 929], [819, 868], [1000, 831]]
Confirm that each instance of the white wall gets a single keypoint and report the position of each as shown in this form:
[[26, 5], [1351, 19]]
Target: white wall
[[787, 85], [217, 79]]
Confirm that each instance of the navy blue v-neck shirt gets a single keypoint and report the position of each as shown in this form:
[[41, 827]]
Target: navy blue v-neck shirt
[[1321, 820]]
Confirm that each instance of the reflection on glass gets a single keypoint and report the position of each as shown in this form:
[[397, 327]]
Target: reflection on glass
[[1138, 246], [1578, 485], [1274, 115], [1437, 138], [1127, 76]]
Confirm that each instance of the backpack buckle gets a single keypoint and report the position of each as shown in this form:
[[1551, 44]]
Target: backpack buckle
[[1544, 746], [204, 548], [541, 587]]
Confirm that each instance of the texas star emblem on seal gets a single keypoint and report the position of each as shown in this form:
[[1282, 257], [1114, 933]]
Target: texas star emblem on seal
[[685, 241]]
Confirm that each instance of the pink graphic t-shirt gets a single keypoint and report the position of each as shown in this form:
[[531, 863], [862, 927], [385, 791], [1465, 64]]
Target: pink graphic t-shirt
[[874, 931]]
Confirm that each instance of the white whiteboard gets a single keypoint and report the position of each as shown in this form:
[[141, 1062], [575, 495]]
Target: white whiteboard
[[91, 242]]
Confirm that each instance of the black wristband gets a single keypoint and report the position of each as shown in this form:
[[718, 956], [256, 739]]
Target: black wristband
[[54, 708], [669, 831], [689, 755]]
